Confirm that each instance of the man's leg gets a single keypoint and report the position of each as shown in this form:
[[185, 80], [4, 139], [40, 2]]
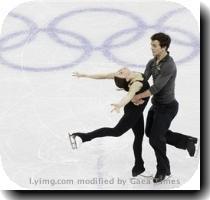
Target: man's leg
[[181, 141], [162, 117], [158, 142], [175, 139]]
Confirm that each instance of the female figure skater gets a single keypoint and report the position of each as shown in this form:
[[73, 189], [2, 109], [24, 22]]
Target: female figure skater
[[133, 83]]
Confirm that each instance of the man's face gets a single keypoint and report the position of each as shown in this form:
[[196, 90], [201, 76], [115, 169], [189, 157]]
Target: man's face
[[156, 48]]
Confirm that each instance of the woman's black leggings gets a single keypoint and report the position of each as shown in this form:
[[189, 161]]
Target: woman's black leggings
[[132, 119]]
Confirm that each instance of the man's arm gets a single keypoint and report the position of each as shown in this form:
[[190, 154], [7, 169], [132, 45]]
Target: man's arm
[[160, 82], [145, 94], [165, 74], [148, 71]]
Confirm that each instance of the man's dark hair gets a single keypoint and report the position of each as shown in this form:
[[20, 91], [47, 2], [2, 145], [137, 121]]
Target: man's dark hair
[[164, 39]]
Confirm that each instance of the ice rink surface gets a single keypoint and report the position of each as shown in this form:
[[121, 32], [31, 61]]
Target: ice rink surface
[[41, 44]]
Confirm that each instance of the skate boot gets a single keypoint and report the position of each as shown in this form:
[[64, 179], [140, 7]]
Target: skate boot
[[190, 146], [75, 141], [140, 171], [159, 177], [137, 170]]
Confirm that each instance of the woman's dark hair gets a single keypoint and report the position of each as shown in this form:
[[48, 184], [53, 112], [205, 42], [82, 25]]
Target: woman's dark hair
[[121, 83], [164, 39]]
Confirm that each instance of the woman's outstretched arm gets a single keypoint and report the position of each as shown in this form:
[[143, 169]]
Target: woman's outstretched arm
[[95, 76]]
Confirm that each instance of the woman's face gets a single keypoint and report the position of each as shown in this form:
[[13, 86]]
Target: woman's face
[[123, 73]]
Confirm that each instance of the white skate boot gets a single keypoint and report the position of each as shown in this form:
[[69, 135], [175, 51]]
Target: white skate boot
[[75, 141]]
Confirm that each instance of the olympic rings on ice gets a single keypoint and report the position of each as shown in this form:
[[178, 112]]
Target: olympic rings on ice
[[85, 45]]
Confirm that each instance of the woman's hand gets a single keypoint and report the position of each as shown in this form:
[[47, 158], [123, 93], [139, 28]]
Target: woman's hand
[[116, 108], [78, 75]]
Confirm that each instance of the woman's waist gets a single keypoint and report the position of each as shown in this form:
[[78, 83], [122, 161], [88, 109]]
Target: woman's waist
[[145, 87]]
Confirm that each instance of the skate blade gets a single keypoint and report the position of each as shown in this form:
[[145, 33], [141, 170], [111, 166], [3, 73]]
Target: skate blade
[[72, 141], [149, 176], [161, 182], [197, 150]]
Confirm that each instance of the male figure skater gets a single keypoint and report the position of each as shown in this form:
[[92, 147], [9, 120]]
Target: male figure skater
[[164, 105]]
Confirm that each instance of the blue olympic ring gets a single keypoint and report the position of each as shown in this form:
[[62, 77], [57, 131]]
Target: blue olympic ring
[[32, 27], [160, 27], [86, 47], [139, 30], [138, 22], [193, 43], [82, 58]]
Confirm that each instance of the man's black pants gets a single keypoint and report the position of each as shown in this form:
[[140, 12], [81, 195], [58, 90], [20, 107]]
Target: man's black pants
[[157, 129]]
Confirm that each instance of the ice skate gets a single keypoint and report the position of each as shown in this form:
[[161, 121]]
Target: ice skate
[[75, 141], [191, 147], [72, 141], [161, 177], [146, 174], [141, 172], [197, 149]]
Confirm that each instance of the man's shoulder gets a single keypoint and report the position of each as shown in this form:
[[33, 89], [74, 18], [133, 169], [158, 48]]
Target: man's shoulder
[[150, 62], [169, 63], [169, 66], [171, 60]]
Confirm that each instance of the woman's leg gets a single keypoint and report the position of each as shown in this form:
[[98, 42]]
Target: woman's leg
[[149, 121], [138, 130], [131, 115]]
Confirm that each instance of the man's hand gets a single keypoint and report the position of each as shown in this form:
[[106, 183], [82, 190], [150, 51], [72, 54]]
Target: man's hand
[[141, 101], [137, 100]]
